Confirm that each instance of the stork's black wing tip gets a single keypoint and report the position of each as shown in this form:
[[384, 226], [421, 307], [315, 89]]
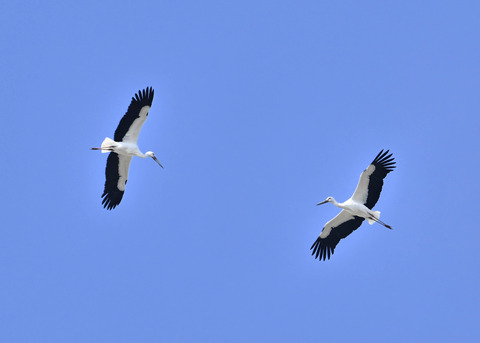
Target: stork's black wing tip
[[321, 250], [111, 199], [385, 161], [144, 96]]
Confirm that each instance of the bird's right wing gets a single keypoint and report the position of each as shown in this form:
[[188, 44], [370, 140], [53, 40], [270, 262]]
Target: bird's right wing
[[116, 176], [131, 123], [336, 229], [371, 180]]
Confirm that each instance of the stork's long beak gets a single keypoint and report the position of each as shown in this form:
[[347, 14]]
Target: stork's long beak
[[323, 202], [155, 159]]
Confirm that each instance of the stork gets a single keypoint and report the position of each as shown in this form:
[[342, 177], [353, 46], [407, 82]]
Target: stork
[[356, 209], [123, 147]]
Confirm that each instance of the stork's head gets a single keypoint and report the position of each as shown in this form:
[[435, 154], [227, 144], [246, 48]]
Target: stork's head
[[329, 199], [152, 155]]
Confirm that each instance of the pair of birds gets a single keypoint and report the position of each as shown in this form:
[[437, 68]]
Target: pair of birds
[[354, 211]]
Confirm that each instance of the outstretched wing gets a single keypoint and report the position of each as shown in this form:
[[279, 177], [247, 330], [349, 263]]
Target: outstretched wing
[[132, 122], [371, 180], [336, 229], [116, 175]]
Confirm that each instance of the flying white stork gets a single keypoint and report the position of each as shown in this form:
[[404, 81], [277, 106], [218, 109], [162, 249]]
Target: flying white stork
[[356, 209], [123, 147]]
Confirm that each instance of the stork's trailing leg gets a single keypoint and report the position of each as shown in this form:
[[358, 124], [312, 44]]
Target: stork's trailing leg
[[108, 145], [380, 222]]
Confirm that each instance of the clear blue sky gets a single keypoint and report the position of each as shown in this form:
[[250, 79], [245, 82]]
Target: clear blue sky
[[261, 110]]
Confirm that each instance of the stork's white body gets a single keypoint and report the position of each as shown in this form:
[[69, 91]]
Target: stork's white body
[[122, 148], [357, 209]]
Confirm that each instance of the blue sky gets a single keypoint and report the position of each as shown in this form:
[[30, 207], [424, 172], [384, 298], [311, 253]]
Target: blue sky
[[261, 110]]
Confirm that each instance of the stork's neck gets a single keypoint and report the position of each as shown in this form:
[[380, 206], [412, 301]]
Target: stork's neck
[[140, 154], [337, 203]]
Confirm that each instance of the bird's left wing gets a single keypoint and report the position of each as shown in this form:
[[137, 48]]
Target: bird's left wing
[[371, 180], [116, 176], [336, 229], [131, 123]]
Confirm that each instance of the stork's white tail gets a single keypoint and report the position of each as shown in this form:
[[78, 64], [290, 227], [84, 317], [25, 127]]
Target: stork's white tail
[[377, 215], [107, 145]]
